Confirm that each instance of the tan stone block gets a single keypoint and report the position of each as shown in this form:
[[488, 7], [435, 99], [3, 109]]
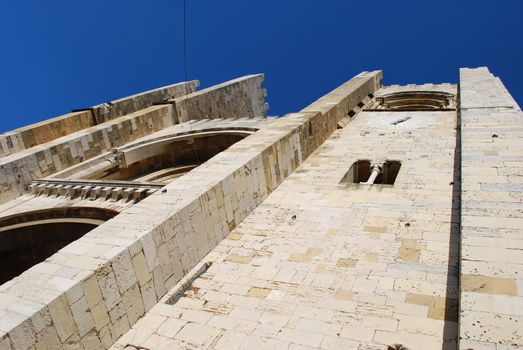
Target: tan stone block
[[371, 257], [313, 251], [491, 285], [241, 259], [149, 295], [47, 339], [344, 294], [375, 229], [92, 342], [120, 327], [82, 317], [140, 268], [408, 254], [259, 292], [299, 258], [444, 309], [5, 344], [374, 235], [420, 299], [133, 303], [346, 262], [106, 337], [437, 313], [22, 336], [123, 271], [41, 319], [109, 287], [100, 315], [234, 236], [92, 292], [62, 318], [331, 232], [320, 268]]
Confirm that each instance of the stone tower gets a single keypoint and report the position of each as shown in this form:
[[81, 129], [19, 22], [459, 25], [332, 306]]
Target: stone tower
[[378, 217]]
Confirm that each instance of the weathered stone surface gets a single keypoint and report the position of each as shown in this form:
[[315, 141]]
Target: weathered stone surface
[[269, 244], [491, 249], [311, 243], [173, 230]]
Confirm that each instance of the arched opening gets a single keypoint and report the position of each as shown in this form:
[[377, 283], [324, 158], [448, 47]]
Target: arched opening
[[163, 160], [414, 101], [29, 238]]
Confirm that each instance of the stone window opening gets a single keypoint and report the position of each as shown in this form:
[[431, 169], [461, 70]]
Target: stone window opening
[[366, 172], [413, 101]]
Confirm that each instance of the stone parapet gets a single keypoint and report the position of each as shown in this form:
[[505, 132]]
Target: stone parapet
[[51, 129], [242, 97], [19, 169], [237, 98]]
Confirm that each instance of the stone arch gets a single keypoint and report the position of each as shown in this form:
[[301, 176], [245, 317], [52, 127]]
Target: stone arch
[[415, 101], [29, 238], [164, 158]]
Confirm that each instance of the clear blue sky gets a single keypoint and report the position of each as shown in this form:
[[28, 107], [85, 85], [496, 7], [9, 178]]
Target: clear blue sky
[[60, 55]]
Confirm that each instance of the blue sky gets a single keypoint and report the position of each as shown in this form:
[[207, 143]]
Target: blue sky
[[60, 55]]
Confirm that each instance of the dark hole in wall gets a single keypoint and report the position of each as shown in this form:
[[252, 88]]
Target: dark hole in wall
[[358, 172], [29, 238], [361, 170], [389, 173], [184, 154], [27, 246]]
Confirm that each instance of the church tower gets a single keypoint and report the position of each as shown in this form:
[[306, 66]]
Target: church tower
[[377, 217]]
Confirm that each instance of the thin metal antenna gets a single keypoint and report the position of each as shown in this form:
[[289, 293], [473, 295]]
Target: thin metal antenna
[[185, 39]]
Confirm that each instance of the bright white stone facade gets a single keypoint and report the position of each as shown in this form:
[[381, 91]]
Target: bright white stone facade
[[266, 244]]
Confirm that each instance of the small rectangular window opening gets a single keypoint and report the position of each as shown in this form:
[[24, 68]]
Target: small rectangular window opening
[[361, 170]]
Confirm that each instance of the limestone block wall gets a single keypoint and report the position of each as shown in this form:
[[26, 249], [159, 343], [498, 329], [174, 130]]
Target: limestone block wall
[[51, 129], [36, 134], [242, 97], [19, 169], [117, 108], [93, 290], [491, 298]]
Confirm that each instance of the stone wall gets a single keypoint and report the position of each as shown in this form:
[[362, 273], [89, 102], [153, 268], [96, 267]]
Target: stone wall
[[48, 130], [491, 316], [117, 108], [19, 169], [92, 291], [51, 129], [242, 97]]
